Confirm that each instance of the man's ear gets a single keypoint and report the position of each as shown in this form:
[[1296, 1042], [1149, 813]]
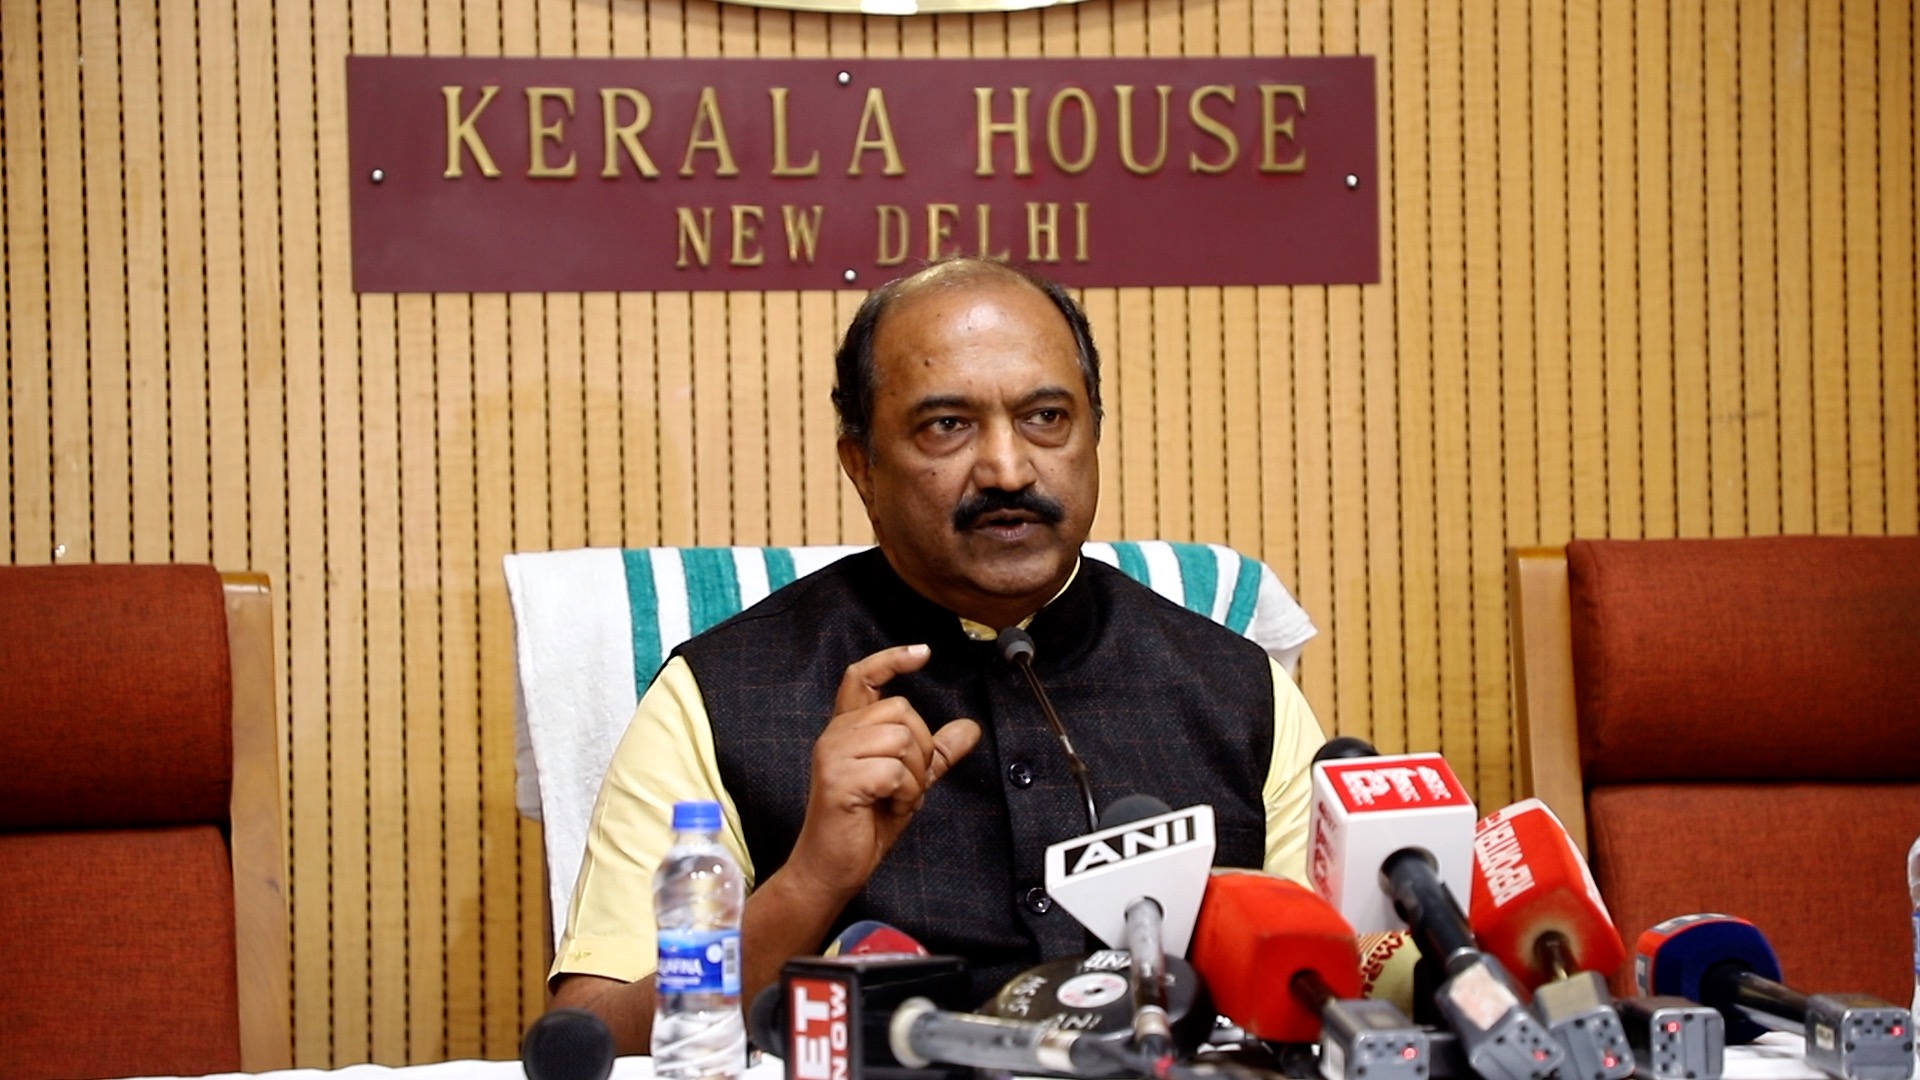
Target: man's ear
[[858, 467]]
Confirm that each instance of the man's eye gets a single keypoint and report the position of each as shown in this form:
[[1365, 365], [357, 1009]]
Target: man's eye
[[946, 425], [1047, 417]]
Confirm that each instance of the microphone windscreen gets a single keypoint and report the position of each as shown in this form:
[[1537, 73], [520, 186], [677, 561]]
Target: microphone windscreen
[[1387, 960], [1131, 808], [869, 937], [1344, 746], [1256, 932], [1530, 880], [766, 1021], [567, 1044], [1016, 645], [1674, 957]]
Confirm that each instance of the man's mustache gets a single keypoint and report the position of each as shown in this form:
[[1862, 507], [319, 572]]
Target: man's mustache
[[996, 501]]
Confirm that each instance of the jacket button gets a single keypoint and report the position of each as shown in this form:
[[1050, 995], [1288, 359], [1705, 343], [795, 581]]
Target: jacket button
[[1038, 901], [1020, 774]]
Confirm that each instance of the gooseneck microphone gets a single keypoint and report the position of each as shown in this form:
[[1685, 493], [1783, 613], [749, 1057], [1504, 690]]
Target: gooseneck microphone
[[1016, 648]]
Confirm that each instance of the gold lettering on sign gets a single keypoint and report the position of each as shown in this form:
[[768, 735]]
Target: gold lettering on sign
[[1123, 95], [1196, 109], [746, 231], [697, 234], [874, 116], [941, 218], [983, 220], [1269, 127], [625, 135], [461, 132], [803, 232], [986, 128], [709, 132], [540, 133], [1043, 232], [1090, 138], [891, 219], [1079, 232], [781, 167]]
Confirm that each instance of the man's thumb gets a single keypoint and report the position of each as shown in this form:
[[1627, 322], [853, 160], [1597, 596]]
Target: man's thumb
[[955, 740]]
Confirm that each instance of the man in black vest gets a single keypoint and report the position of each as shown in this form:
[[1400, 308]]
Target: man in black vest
[[870, 697]]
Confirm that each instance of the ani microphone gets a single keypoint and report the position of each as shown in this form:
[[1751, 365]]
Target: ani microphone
[[1536, 908], [1725, 962], [1282, 963]]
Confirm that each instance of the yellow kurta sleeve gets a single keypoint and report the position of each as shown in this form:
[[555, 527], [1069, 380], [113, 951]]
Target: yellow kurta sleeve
[[1289, 788], [666, 756]]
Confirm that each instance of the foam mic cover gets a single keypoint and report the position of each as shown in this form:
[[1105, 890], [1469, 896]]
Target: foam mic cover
[[1367, 808], [1530, 882], [1675, 957], [870, 937], [1341, 747], [567, 1044], [1255, 933]]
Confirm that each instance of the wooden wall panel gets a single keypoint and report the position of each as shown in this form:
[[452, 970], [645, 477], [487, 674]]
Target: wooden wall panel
[[1649, 268]]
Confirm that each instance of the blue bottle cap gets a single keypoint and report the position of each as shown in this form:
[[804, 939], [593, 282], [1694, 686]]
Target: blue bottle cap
[[696, 816]]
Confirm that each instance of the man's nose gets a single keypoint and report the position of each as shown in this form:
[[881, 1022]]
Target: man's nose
[[1003, 460]]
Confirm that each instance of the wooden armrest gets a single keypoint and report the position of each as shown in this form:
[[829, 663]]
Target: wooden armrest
[[1544, 719], [259, 831]]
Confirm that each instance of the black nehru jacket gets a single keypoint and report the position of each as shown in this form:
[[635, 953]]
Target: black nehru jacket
[[1158, 701]]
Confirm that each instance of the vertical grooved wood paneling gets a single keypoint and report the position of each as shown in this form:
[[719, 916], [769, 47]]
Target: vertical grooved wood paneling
[[1653, 282], [1619, 307], [29, 332], [1759, 333], [1649, 268]]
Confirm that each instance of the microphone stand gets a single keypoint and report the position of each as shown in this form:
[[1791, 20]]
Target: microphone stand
[[1016, 647]]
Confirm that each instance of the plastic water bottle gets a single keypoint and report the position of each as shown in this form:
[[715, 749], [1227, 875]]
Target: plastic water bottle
[[698, 894], [1913, 892]]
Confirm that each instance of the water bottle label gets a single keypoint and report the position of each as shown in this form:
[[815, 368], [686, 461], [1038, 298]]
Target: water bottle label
[[699, 961]]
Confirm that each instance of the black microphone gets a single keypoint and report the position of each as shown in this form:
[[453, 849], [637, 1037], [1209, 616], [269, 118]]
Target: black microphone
[[1016, 648], [567, 1044]]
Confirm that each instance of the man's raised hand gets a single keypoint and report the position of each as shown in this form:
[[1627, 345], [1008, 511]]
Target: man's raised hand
[[872, 767]]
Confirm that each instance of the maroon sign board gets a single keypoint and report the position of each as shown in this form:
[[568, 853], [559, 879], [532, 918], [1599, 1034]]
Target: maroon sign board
[[569, 175]]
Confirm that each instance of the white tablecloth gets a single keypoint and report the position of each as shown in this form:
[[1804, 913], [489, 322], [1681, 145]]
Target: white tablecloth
[[1776, 1056]]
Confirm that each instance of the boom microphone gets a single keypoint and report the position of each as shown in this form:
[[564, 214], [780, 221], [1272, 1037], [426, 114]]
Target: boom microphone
[[1016, 648], [1537, 909], [1725, 962], [1282, 963]]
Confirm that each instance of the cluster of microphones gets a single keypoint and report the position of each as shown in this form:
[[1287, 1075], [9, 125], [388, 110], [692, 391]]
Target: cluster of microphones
[[1200, 972]]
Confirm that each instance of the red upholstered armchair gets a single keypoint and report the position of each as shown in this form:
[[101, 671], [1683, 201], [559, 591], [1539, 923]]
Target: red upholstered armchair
[[143, 918], [1735, 726]]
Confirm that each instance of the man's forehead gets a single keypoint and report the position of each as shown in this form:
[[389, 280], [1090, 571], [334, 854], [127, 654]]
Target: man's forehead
[[937, 322]]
